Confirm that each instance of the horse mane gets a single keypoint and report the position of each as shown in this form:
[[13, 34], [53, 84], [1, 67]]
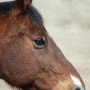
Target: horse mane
[[34, 15], [6, 6], [30, 10]]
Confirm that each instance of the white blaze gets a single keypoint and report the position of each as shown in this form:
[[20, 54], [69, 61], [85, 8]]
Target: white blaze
[[77, 82]]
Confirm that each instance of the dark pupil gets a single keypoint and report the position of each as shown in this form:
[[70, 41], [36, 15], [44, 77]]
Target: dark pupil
[[40, 42]]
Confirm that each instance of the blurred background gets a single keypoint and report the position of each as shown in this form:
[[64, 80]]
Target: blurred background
[[68, 22]]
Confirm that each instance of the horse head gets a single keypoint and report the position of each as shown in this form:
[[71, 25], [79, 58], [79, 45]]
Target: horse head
[[29, 58]]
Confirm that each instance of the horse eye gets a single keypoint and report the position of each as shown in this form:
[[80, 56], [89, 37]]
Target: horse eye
[[39, 43]]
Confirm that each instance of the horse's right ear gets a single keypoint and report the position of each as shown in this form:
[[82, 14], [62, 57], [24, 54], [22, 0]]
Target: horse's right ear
[[19, 6], [27, 2], [24, 2]]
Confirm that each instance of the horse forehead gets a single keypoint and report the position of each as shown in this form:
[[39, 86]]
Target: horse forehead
[[26, 24]]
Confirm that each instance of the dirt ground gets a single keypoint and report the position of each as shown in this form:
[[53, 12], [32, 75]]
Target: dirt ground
[[68, 22]]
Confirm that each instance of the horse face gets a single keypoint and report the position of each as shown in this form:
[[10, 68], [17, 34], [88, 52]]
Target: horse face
[[29, 58]]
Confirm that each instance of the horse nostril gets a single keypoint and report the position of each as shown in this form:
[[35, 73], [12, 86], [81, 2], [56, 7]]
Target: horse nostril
[[78, 88]]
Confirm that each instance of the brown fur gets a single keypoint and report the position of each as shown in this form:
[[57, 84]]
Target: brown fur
[[24, 66]]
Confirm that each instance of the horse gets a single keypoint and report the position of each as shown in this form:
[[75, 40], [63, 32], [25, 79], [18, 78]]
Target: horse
[[29, 57]]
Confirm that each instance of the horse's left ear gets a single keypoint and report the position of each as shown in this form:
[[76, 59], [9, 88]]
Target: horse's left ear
[[19, 6], [27, 2]]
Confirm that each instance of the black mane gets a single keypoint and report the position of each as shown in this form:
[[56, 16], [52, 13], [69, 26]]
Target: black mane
[[34, 15], [5, 6], [32, 12]]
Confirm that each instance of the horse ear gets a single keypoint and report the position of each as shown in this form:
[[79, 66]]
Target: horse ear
[[19, 6], [22, 3], [27, 2]]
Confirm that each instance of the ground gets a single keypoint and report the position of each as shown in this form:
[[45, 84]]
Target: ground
[[68, 22]]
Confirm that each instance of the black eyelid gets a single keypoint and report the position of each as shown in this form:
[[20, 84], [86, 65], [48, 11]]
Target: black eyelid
[[40, 42]]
